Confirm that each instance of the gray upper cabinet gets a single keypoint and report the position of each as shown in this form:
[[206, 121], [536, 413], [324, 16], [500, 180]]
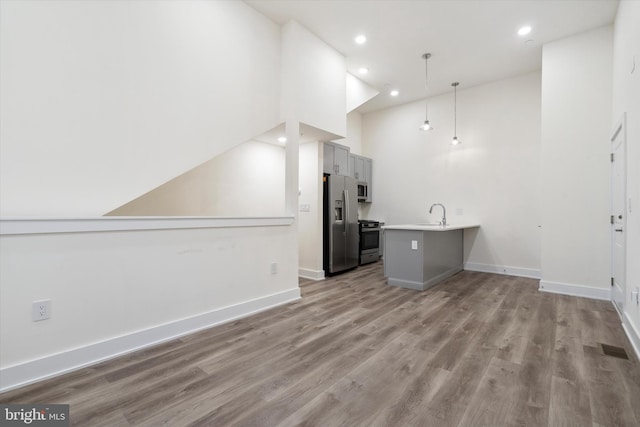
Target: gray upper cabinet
[[336, 159], [352, 165], [339, 161], [329, 158], [357, 168], [360, 168]]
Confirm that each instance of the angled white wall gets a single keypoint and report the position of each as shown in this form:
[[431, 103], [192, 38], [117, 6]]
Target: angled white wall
[[104, 101], [358, 92], [247, 181], [576, 127]]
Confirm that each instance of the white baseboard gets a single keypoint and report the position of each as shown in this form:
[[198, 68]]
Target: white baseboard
[[632, 333], [575, 290], [56, 364], [311, 274], [502, 269]]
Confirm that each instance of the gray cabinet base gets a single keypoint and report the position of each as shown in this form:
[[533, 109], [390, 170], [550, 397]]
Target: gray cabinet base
[[424, 285], [418, 259]]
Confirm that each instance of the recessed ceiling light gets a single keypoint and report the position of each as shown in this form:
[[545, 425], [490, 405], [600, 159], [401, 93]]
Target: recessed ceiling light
[[282, 139], [361, 39], [524, 30], [394, 93], [363, 70]]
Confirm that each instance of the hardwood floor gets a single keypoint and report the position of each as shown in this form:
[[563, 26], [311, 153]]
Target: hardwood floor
[[477, 350]]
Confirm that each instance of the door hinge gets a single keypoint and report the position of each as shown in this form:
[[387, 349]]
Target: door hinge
[[612, 157], [612, 282], [612, 220]]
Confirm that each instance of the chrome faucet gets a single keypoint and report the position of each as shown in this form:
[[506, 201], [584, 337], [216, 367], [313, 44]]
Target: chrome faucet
[[444, 213]]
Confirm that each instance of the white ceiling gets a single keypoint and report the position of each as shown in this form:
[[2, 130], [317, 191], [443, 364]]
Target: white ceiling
[[471, 41]]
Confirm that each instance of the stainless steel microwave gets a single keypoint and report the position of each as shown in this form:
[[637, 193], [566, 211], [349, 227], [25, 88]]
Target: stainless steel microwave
[[363, 191]]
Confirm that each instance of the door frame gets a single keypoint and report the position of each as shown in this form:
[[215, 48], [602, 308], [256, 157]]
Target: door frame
[[619, 134]]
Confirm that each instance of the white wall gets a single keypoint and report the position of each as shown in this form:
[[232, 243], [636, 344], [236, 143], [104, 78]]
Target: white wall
[[247, 180], [576, 107], [353, 138], [310, 222], [491, 178], [106, 287], [93, 117], [313, 81], [104, 101], [626, 98]]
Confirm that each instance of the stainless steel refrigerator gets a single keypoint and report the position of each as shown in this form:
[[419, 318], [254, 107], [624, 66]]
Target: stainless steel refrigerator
[[340, 220]]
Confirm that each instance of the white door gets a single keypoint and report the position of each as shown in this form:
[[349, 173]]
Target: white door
[[618, 215]]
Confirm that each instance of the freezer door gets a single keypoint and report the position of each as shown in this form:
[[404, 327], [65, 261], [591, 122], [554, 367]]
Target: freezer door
[[352, 250], [337, 224]]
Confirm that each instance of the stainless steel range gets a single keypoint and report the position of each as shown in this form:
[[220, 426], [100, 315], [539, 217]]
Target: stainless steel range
[[369, 241]]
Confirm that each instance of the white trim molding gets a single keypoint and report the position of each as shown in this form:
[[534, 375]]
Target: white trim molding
[[503, 269], [575, 290], [311, 274], [57, 364], [129, 223], [632, 333]]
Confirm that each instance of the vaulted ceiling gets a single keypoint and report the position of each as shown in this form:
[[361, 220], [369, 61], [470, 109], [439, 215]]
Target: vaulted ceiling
[[471, 41]]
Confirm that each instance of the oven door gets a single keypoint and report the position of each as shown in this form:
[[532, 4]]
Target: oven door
[[369, 245]]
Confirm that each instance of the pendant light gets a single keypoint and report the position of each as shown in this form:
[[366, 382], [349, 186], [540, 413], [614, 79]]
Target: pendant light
[[455, 140], [426, 125]]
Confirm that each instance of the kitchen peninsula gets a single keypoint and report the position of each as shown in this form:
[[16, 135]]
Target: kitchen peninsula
[[417, 256]]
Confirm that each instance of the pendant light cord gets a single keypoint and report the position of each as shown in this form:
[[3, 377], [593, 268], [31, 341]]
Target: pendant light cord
[[426, 71], [455, 110], [426, 57]]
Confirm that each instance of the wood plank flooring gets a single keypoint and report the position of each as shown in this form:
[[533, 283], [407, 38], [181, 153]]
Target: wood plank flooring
[[477, 350]]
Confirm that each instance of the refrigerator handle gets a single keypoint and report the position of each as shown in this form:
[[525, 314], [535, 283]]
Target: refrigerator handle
[[346, 213]]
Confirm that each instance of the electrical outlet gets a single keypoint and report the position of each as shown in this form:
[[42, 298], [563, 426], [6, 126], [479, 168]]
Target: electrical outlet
[[40, 310], [274, 268], [414, 245]]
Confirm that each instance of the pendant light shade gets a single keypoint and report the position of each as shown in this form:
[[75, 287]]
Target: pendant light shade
[[455, 140], [426, 125]]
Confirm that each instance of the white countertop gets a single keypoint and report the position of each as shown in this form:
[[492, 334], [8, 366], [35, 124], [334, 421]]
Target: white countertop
[[430, 227]]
